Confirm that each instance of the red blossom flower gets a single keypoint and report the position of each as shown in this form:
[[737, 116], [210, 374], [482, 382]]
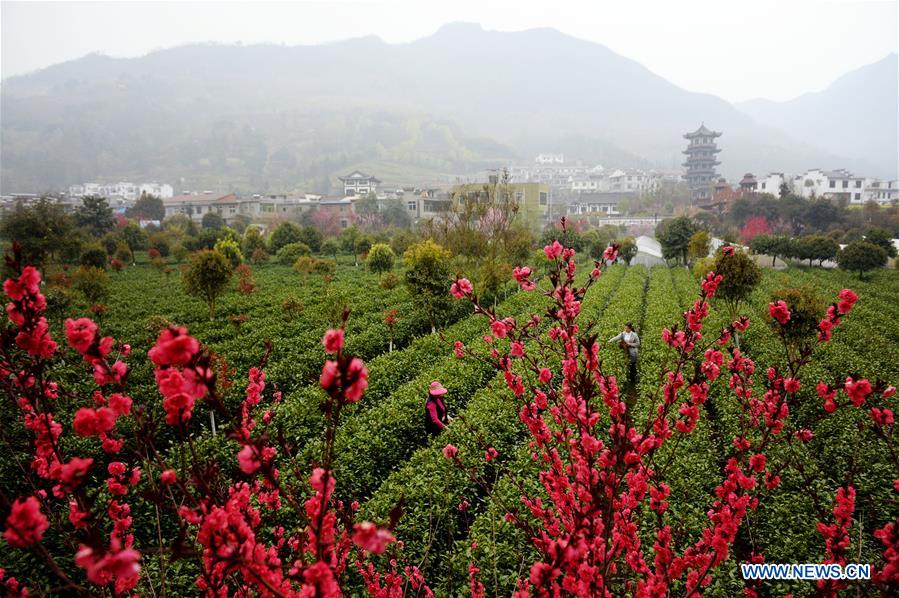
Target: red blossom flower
[[371, 538], [857, 391], [174, 347], [168, 477], [461, 288], [450, 451], [333, 341], [779, 311], [25, 524], [81, 333], [553, 250]]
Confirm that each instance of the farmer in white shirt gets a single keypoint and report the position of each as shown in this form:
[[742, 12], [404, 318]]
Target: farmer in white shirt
[[629, 341]]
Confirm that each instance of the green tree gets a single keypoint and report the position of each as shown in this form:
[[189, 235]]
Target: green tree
[[95, 216], [160, 242], [815, 247], [741, 276], [180, 225], [861, 257], [395, 214], [286, 233], [311, 237], [212, 220], [288, 254], [380, 258], [43, 229], [252, 240], [674, 236], [331, 247], [91, 282], [362, 245], [147, 207], [402, 240], [231, 250], [367, 205], [698, 246], [207, 276], [428, 278], [94, 256], [134, 236], [883, 239], [627, 250]]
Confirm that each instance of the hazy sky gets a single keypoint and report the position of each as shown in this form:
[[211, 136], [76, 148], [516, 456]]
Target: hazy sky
[[737, 49]]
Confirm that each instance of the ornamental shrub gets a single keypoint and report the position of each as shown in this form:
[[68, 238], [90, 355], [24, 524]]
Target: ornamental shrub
[[207, 276], [289, 253], [231, 250], [380, 259], [94, 256], [91, 282], [862, 257], [428, 277]]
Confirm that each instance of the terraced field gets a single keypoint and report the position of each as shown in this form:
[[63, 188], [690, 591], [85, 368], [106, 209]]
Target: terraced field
[[384, 458]]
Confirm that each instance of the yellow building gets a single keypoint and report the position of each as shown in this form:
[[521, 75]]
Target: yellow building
[[532, 199]]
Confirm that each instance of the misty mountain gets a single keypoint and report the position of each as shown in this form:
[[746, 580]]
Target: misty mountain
[[855, 116], [267, 117]]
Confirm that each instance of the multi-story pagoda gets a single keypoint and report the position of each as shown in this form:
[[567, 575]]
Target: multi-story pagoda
[[701, 162]]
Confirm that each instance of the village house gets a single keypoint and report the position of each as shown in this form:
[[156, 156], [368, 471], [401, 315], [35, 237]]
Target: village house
[[358, 184]]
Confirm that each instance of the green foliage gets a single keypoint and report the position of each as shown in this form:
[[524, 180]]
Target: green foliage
[[212, 220], [95, 216], [311, 237], [389, 281], [285, 234], [569, 237], [159, 242], [776, 247], [402, 240], [330, 247], [292, 307], [135, 236], [362, 245], [306, 264], [231, 250], [94, 256], [42, 229], [814, 247], [741, 276], [207, 277], [428, 278], [861, 257], [180, 225], [883, 239], [380, 258], [252, 240], [394, 214], [147, 207], [627, 250], [698, 246], [289, 253], [674, 235], [123, 252], [91, 282], [805, 313]]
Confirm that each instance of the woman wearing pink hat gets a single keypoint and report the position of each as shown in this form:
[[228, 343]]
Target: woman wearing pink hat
[[436, 417]]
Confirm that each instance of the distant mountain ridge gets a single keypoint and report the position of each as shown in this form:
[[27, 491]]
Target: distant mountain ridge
[[856, 115], [265, 117]]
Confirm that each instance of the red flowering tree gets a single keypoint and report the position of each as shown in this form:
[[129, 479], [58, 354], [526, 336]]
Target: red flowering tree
[[753, 228], [255, 531], [603, 475]]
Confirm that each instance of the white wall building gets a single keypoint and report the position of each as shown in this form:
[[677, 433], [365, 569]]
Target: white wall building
[[830, 184], [359, 183]]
